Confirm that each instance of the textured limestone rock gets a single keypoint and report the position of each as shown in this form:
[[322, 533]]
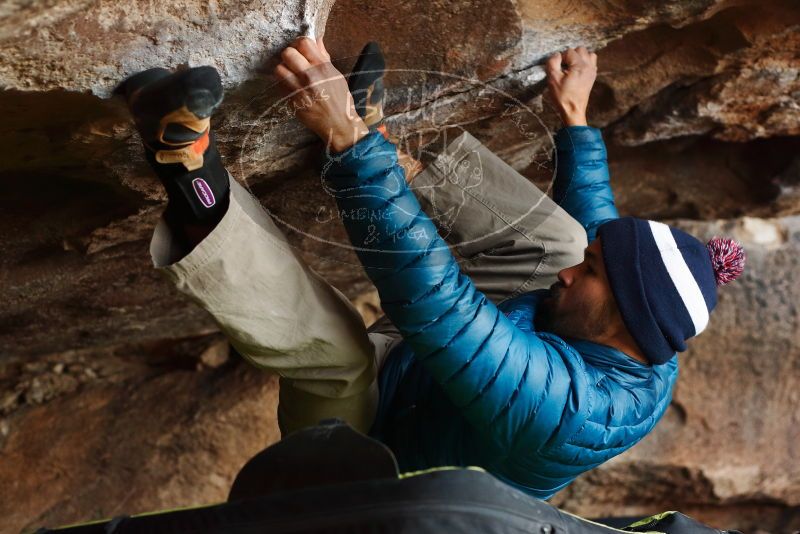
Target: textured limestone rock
[[698, 100], [702, 178], [734, 76], [138, 429], [115, 40]]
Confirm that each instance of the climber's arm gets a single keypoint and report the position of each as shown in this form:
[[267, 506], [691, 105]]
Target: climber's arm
[[582, 185]]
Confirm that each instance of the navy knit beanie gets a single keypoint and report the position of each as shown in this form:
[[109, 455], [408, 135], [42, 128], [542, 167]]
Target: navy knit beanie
[[665, 281]]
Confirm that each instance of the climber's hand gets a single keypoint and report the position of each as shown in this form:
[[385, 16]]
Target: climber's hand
[[570, 76], [319, 94]]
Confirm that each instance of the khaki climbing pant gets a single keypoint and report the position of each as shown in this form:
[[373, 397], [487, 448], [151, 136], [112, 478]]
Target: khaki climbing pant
[[280, 315]]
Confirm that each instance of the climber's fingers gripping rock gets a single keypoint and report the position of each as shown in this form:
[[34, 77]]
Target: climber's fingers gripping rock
[[570, 76], [319, 95]]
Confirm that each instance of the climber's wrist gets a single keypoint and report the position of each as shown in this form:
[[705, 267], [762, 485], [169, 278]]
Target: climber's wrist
[[572, 113], [344, 136], [575, 119]]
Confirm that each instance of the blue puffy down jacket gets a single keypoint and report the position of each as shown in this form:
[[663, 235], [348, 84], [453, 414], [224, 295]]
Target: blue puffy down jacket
[[473, 383]]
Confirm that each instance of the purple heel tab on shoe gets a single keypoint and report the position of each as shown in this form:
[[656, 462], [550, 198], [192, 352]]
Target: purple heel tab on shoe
[[204, 193]]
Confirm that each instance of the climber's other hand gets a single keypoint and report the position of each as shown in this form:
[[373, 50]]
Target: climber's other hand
[[318, 93], [570, 76]]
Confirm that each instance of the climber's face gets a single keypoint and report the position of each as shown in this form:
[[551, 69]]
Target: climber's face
[[581, 304]]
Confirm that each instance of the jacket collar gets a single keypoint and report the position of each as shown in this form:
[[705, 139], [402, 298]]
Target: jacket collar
[[610, 360]]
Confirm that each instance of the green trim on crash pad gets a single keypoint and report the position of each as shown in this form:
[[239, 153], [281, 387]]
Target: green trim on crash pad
[[410, 474], [652, 519]]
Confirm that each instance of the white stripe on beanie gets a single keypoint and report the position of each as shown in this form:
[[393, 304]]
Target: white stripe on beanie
[[681, 276]]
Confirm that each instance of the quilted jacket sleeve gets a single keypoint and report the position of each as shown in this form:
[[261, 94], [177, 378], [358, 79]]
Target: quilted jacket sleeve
[[503, 379], [582, 185]]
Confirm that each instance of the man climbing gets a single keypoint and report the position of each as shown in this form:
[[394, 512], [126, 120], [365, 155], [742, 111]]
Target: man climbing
[[537, 357]]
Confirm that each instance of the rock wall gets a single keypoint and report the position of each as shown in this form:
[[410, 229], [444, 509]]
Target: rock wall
[[118, 396]]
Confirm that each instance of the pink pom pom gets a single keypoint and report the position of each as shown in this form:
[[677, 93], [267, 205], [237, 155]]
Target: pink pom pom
[[727, 258]]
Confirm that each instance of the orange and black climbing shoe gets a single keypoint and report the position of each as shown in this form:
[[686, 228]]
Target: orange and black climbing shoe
[[172, 112], [366, 85]]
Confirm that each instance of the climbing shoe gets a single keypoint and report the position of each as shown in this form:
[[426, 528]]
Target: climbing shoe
[[172, 112], [366, 85]]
